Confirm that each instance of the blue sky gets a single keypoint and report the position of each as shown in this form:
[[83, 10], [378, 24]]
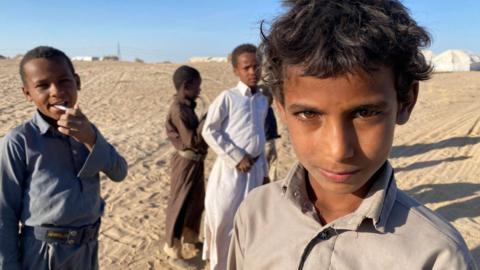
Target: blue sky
[[176, 30]]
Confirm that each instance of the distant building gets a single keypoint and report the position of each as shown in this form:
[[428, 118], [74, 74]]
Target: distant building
[[2, 57], [201, 59], [109, 58], [85, 58]]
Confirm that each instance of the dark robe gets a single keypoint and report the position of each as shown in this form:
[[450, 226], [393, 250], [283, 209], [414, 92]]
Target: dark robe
[[187, 189]]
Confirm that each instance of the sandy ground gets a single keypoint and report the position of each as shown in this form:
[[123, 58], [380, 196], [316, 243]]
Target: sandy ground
[[436, 155]]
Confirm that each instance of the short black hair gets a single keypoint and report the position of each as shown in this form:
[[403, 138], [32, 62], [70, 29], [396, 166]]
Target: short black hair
[[329, 38], [45, 52], [184, 75], [244, 48]]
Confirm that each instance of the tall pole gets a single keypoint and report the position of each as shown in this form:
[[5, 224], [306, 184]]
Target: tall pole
[[118, 51]]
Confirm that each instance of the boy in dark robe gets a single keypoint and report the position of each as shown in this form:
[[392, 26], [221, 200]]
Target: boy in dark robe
[[187, 192]]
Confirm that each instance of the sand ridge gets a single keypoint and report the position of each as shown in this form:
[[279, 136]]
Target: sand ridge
[[436, 154]]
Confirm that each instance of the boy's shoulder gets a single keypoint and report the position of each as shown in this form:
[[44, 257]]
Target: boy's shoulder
[[423, 221], [21, 131]]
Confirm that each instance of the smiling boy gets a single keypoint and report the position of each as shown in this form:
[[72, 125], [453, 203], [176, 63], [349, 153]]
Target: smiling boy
[[343, 77], [50, 204]]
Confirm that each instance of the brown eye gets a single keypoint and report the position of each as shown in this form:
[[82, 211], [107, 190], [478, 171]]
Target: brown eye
[[306, 115], [364, 113], [41, 86]]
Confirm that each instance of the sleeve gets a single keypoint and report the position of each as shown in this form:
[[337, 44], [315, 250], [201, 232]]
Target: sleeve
[[236, 251], [12, 175], [105, 158], [216, 137], [182, 131]]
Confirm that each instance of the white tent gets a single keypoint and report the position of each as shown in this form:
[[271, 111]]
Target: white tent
[[455, 60], [428, 55]]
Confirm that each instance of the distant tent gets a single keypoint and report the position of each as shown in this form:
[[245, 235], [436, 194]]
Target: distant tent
[[428, 55], [455, 60]]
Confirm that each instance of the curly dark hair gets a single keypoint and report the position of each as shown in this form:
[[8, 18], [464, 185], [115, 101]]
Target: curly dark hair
[[244, 48], [45, 52], [329, 38], [184, 75]]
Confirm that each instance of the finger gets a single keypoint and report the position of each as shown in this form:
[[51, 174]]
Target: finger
[[67, 131], [69, 122]]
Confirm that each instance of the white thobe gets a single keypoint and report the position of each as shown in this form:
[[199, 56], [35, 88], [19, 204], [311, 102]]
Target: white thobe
[[234, 127]]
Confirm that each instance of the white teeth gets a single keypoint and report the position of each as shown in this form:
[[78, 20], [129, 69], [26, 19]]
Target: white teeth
[[61, 107]]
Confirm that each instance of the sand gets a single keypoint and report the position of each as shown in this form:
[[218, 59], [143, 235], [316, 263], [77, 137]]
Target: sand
[[436, 154]]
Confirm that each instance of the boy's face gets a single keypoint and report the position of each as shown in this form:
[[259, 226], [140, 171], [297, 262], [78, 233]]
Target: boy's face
[[192, 90], [50, 82], [247, 69], [342, 128]]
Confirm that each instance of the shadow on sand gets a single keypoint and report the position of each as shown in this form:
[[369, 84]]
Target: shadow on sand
[[430, 163], [436, 193], [420, 148]]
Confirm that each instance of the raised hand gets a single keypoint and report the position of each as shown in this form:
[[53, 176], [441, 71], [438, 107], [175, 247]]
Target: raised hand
[[75, 124]]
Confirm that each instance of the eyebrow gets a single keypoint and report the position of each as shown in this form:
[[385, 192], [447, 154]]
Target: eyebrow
[[302, 107], [369, 105]]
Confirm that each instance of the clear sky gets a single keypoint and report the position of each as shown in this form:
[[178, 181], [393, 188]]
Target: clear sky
[[175, 30]]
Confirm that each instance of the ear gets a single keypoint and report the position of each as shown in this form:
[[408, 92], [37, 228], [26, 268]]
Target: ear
[[26, 93], [77, 80], [235, 71], [405, 108], [281, 110]]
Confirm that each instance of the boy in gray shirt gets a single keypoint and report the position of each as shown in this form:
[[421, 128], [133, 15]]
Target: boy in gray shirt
[[343, 74], [50, 204]]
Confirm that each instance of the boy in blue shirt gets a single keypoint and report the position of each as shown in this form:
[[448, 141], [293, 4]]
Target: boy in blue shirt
[[50, 204]]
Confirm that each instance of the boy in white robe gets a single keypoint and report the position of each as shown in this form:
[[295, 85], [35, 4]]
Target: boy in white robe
[[234, 129]]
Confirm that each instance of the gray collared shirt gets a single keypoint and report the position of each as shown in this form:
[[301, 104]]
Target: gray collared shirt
[[277, 227], [47, 178]]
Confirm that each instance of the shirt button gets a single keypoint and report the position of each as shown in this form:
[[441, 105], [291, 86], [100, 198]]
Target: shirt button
[[296, 194], [70, 242], [305, 207], [74, 152], [73, 233]]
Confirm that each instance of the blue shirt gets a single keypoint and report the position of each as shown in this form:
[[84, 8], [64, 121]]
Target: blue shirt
[[47, 178]]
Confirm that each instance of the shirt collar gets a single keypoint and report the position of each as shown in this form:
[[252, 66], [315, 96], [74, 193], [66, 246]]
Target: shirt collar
[[42, 125], [244, 89], [376, 206]]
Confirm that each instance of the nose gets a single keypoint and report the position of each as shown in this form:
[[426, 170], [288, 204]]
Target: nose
[[339, 136], [54, 90]]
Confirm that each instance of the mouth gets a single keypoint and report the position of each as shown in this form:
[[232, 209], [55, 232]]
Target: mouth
[[61, 105], [338, 176]]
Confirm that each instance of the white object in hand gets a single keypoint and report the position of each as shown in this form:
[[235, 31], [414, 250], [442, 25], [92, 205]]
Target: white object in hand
[[61, 107]]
